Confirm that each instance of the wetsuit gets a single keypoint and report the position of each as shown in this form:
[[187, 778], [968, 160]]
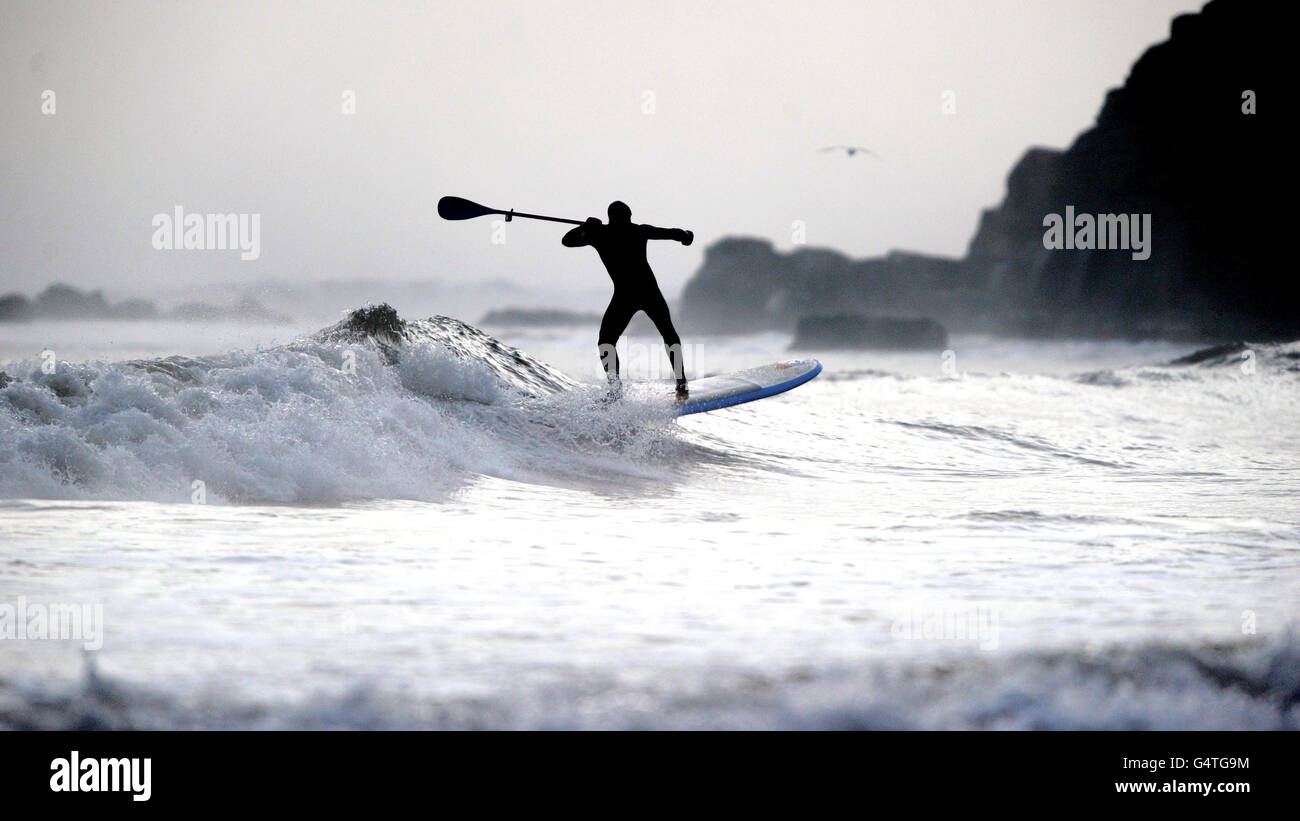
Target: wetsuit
[[622, 248]]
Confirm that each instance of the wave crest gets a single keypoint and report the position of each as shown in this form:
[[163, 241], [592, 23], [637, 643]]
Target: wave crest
[[372, 407]]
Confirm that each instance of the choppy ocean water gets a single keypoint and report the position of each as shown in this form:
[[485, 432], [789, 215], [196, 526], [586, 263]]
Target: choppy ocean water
[[412, 526]]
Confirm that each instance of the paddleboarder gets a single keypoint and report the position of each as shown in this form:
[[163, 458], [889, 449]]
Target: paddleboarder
[[621, 245]]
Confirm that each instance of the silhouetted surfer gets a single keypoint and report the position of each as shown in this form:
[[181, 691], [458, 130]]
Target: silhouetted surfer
[[621, 245]]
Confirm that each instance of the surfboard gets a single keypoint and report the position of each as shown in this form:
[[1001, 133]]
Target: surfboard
[[724, 390]]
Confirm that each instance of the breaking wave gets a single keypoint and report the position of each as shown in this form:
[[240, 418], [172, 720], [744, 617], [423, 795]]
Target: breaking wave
[[1239, 358], [1254, 686], [374, 407]]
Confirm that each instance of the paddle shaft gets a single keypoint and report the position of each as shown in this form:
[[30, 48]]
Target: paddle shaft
[[512, 213]]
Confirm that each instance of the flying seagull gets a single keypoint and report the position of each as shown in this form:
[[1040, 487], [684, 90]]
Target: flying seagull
[[851, 150]]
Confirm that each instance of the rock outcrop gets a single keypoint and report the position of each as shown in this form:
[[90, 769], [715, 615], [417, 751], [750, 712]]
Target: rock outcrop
[[869, 332], [65, 302], [538, 317], [747, 285], [1176, 144]]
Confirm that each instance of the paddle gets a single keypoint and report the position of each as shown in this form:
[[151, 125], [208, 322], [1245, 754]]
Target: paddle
[[457, 208]]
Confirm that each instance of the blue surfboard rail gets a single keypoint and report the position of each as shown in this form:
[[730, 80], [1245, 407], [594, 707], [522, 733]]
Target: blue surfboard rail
[[749, 396]]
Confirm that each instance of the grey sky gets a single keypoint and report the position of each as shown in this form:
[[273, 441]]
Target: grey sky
[[235, 107]]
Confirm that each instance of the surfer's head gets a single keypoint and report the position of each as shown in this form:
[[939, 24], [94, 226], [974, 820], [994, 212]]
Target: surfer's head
[[619, 213]]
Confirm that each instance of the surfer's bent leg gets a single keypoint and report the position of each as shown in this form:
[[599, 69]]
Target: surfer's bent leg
[[617, 315], [656, 307]]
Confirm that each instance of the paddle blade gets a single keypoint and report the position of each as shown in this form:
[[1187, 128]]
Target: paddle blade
[[455, 208]]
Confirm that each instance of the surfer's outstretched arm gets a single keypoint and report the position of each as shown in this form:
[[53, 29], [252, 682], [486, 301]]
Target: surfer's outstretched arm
[[684, 237], [580, 236]]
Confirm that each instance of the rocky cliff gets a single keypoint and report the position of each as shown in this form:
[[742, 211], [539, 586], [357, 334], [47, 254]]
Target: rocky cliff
[[746, 285], [1174, 145]]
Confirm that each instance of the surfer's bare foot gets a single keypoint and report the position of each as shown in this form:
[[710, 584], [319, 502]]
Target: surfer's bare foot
[[683, 393]]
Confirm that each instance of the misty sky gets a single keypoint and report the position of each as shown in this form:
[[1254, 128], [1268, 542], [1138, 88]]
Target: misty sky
[[235, 107]]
